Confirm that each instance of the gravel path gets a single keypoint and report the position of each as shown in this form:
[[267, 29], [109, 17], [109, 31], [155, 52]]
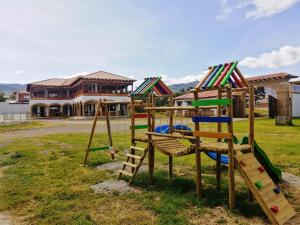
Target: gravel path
[[66, 126]]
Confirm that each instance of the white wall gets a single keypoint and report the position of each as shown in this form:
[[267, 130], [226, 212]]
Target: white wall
[[296, 104], [80, 98], [5, 107]]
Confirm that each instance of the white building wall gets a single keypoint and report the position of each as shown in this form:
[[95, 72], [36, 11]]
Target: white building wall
[[296, 104], [78, 99]]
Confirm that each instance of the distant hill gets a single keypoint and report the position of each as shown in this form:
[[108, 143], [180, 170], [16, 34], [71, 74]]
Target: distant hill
[[9, 88], [178, 87]]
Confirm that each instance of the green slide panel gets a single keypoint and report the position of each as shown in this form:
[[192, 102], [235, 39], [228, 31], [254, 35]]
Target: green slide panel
[[274, 172]]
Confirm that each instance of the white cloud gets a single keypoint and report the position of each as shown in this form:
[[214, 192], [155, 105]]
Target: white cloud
[[19, 72], [284, 56], [227, 9], [265, 8], [183, 79], [174, 80], [262, 8], [73, 75]]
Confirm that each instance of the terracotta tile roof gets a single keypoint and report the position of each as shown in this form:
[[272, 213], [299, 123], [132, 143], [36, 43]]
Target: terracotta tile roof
[[273, 76], [100, 75]]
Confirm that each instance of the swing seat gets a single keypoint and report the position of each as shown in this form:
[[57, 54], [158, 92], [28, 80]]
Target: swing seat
[[173, 147]]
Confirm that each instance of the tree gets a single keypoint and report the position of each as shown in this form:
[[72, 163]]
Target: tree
[[259, 94], [2, 97], [12, 96]]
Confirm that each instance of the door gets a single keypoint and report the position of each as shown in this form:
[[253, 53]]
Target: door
[[272, 107]]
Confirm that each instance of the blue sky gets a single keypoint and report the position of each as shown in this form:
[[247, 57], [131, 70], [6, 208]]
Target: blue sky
[[138, 38]]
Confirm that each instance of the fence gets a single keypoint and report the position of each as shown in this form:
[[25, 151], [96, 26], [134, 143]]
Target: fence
[[13, 118]]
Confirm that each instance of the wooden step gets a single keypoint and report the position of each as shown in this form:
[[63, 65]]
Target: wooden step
[[133, 156], [137, 148], [126, 173], [130, 164]]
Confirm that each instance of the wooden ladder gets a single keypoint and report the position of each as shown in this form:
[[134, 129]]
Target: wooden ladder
[[133, 162]]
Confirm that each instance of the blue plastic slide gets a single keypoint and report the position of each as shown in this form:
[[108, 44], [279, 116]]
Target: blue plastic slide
[[164, 129]]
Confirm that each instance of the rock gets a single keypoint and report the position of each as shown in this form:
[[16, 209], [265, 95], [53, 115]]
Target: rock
[[112, 186], [291, 179]]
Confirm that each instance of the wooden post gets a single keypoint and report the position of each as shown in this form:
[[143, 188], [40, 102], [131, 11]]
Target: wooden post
[[171, 123], [107, 117], [132, 151], [91, 135], [153, 111], [251, 117], [198, 153], [219, 129], [230, 152], [150, 145], [132, 121], [251, 128]]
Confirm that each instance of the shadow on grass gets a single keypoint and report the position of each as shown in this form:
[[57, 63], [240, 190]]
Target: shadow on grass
[[167, 198]]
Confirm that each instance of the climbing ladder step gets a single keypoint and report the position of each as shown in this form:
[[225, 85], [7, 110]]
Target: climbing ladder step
[[126, 173], [275, 206], [137, 148], [133, 156], [129, 164]]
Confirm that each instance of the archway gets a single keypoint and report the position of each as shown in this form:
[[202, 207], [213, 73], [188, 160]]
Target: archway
[[89, 108], [67, 110], [39, 110], [55, 110]]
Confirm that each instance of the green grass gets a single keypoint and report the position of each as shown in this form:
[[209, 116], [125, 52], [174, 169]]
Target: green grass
[[22, 126], [45, 181]]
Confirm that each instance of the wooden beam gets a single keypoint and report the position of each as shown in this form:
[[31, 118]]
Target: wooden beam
[[197, 153], [171, 135], [218, 161], [91, 135], [140, 115], [251, 117], [198, 86], [210, 102], [209, 119], [231, 184], [245, 82], [226, 136], [168, 108]]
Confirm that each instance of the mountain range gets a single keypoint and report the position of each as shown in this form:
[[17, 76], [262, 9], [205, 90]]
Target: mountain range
[[10, 88]]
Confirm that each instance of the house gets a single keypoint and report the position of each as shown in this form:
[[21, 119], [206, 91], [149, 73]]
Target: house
[[295, 96], [278, 95], [77, 96], [239, 101], [22, 97], [278, 88]]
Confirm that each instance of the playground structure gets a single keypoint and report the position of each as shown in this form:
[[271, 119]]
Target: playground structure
[[247, 157], [109, 145]]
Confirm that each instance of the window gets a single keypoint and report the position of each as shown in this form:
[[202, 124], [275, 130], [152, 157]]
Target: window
[[52, 94]]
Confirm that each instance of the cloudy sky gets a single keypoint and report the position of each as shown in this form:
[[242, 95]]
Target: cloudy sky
[[173, 38]]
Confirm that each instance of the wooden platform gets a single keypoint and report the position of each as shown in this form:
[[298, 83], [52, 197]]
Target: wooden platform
[[223, 147], [262, 188], [173, 147], [144, 138]]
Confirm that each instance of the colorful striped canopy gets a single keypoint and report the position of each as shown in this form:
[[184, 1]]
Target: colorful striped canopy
[[154, 84], [222, 74]]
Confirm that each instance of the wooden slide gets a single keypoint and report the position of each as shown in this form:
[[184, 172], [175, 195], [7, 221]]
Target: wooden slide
[[264, 190]]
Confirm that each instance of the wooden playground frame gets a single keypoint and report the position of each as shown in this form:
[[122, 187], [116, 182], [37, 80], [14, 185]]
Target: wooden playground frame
[[225, 79]]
